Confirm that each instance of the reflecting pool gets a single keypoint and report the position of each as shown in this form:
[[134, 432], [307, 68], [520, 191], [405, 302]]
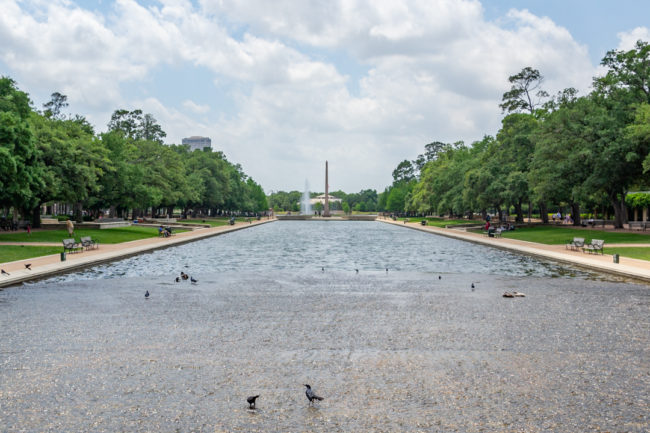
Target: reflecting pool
[[411, 349]]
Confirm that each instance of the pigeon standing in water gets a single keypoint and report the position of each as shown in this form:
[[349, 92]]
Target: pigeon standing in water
[[357, 270], [146, 294], [311, 396], [440, 277], [251, 401], [184, 275], [178, 279], [193, 280], [473, 287], [322, 269]]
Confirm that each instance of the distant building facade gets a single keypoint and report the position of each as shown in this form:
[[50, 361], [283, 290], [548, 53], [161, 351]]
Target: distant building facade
[[321, 199], [197, 143]]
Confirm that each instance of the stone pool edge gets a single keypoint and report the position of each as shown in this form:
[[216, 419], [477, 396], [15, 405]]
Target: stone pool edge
[[627, 267]]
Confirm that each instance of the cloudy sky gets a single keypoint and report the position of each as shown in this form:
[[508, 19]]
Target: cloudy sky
[[282, 85]]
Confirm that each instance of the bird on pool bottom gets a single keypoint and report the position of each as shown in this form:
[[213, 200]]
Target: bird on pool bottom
[[193, 280], [311, 396], [146, 294], [251, 401]]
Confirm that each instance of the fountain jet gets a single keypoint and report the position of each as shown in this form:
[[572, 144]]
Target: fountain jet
[[305, 204]]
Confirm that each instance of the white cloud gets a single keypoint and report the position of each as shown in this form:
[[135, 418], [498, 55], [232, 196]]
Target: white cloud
[[196, 108], [436, 70], [627, 40]]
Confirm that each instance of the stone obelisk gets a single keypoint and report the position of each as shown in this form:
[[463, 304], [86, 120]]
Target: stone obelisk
[[326, 211]]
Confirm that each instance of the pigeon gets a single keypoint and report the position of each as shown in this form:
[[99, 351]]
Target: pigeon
[[4, 272], [251, 401], [28, 266], [473, 287], [146, 294], [386, 270], [193, 280], [357, 270], [440, 277], [184, 276], [310, 395], [322, 269], [178, 279]]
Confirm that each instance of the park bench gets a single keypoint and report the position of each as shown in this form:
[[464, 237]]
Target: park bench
[[576, 244], [88, 244], [638, 225], [71, 246], [594, 247]]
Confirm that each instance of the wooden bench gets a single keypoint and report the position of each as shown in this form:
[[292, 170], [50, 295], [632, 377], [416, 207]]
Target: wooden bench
[[594, 247], [576, 244], [71, 246], [88, 244], [638, 225]]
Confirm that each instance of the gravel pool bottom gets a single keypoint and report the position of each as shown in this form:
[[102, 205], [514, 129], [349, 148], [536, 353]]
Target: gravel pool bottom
[[396, 351]]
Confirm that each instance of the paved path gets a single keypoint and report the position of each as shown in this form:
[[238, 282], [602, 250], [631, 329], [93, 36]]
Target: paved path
[[627, 267], [49, 265]]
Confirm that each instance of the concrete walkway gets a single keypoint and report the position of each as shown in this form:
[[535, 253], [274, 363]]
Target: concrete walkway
[[627, 267], [46, 266]]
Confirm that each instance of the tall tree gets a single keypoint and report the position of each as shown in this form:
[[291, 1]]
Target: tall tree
[[20, 172], [526, 93], [53, 108]]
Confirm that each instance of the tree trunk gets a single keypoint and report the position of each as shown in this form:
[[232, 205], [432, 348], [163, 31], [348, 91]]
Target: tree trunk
[[78, 217], [575, 213], [36, 217], [619, 213], [519, 211], [530, 210], [543, 212]]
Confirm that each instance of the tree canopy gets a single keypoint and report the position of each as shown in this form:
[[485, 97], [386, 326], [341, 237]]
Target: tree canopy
[[47, 157], [572, 152]]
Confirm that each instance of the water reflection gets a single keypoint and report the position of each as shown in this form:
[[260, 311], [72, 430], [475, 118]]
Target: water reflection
[[337, 246]]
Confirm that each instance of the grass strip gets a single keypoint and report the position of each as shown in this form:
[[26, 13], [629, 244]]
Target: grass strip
[[554, 235], [106, 236], [641, 253], [11, 253]]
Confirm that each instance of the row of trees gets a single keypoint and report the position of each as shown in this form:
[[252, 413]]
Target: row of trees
[[362, 201], [579, 153], [49, 157]]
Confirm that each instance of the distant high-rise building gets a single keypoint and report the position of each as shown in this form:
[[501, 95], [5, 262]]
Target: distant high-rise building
[[196, 142]]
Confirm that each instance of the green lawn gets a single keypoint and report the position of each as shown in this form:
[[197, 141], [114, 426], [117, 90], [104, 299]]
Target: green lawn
[[441, 222], [106, 236], [215, 222], [642, 253], [553, 235], [11, 253]]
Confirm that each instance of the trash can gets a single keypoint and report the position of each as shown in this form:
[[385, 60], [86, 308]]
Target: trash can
[[424, 222], [63, 256], [615, 258]]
